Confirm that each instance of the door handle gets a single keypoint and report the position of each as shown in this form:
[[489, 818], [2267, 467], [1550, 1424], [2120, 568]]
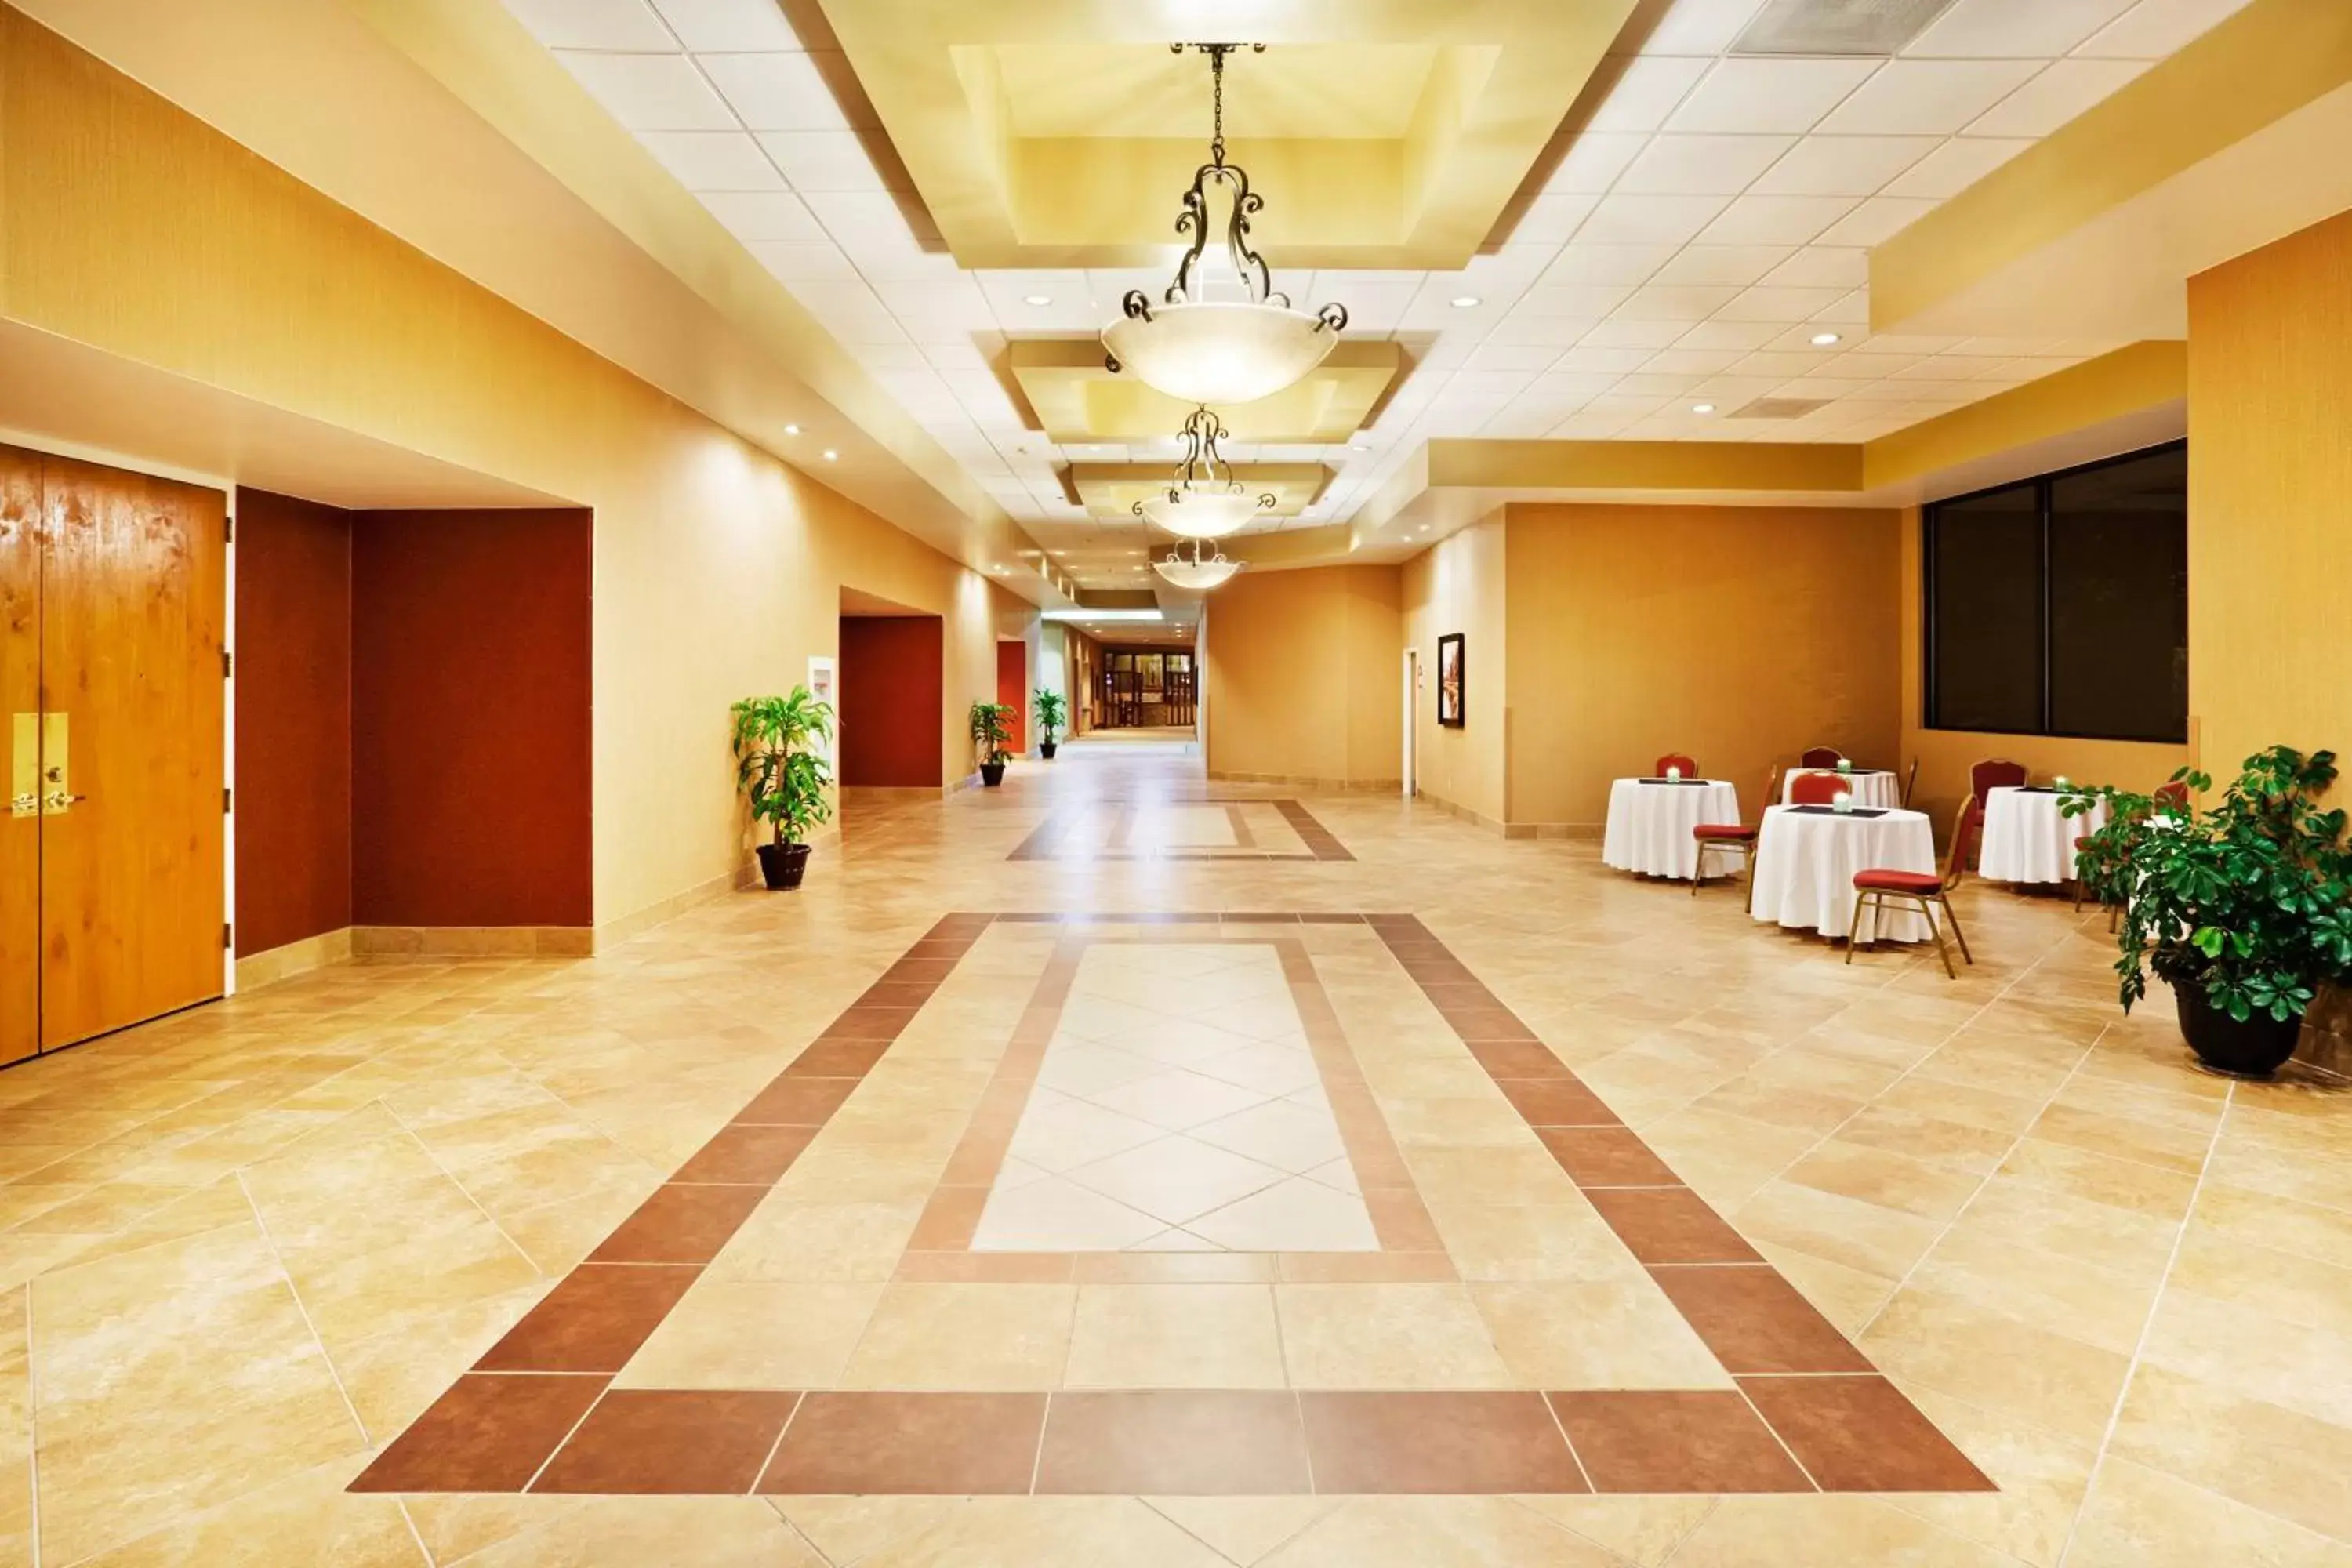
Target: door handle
[[60, 798]]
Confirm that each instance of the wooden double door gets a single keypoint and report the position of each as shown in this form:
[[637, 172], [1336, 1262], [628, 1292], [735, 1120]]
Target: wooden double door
[[113, 599]]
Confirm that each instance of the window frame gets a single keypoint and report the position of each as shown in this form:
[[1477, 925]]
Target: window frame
[[2043, 485]]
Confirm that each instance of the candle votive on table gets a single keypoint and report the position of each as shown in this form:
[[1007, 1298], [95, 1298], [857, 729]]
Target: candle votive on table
[[2062, 782], [1846, 764], [1843, 802], [1673, 773]]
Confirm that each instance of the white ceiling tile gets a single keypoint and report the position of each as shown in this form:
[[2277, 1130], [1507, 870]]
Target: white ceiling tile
[[957, 295], [1614, 334], [1585, 262], [805, 262], [1542, 332], [1372, 308], [1601, 358], [2000, 29], [763, 215], [728, 26], [1926, 98], [1068, 303], [1853, 310], [616, 24], [1699, 26], [1780, 366], [1688, 302], [775, 91], [1593, 162], [1590, 301], [1876, 221], [822, 160], [2061, 92], [1842, 165], [1522, 420], [1735, 264], [1580, 387], [1631, 219], [1775, 220], [1823, 267], [1760, 95], [1778, 304], [1719, 334], [1649, 384], [1955, 166], [1645, 93], [1701, 165], [1690, 362], [870, 227], [878, 357], [1492, 355], [1553, 215], [1485, 383], [850, 313], [649, 93], [713, 160], [2155, 28]]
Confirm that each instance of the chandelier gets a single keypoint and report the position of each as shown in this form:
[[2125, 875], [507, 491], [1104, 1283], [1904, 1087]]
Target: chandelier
[[1203, 499], [1196, 572], [1224, 351]]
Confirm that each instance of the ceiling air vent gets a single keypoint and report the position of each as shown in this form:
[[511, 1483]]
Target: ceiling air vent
[[1836, 27], [1778, 408]]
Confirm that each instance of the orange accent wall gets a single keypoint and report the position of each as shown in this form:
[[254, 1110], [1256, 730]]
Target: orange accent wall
[[1013, 688], [293, 720], [892, 689], [470, 703], [1304, 676]]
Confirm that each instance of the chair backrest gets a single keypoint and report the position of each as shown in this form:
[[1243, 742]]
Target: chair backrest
[[1909, 780], [1817, 789], [1771, 787], [1820, 757], [1964, 835], [1993, 773], [1677, 760], [2172, 795]]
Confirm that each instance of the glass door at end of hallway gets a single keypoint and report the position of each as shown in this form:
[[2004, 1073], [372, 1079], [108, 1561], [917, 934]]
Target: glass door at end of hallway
[[1146, 690]]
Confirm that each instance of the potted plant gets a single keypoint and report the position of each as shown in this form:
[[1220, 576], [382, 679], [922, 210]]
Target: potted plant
[[2245, 910], [1053, 715], [775, 765], [991, 736]]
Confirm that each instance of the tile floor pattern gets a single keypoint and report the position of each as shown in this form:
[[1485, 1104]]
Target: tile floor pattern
[[1210, 827], [243, 1249]]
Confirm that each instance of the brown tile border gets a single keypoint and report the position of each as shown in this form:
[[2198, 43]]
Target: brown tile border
[[1045, 842], [536, 1412]]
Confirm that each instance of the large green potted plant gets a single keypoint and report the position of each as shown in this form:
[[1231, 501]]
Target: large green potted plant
[[777, 765], [2245, 910], [991, 739], [1053, 716]]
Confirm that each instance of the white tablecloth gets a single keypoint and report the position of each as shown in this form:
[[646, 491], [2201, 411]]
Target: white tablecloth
[[1650, 824], [1805, 864], [2027, 839], [1869, 786]]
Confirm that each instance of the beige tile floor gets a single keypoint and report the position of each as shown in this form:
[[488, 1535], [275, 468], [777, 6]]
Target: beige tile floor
[[241, 1248]]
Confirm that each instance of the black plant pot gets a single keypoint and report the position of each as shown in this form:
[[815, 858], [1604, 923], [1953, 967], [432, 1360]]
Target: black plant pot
[[780, 864], [2255, 1048], [1046, 750], [992, 773]]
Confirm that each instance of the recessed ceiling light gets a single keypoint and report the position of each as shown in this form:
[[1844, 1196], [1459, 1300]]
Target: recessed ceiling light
[[1465, 301], [1823, 339], [831, 456], [792, 429], [1702, 408], [1036, 299]]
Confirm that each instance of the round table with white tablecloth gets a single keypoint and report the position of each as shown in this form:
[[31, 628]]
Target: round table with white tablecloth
[[2027, 838], [1806, 859], [1869, 786], [1649, 823]]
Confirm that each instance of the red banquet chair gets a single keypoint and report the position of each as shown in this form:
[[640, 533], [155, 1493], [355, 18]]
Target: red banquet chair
[[1995, 773], [1731, 835], [1820, 757], [1677, 760], [1818, 789], [1924, 891]]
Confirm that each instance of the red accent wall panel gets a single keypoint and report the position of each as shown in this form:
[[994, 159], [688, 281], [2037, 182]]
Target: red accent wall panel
[[893, 683], [471, 686], [1013, 688], [293, 720]]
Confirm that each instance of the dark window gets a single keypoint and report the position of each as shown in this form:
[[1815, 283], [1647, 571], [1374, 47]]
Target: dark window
[[2060, 605]]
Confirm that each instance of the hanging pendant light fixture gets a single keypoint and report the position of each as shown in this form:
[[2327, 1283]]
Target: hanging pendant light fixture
[[1196, 572], [1203, 499], [1225, 351]]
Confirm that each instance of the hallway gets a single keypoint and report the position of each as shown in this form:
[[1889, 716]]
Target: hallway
[[1122, 1168]]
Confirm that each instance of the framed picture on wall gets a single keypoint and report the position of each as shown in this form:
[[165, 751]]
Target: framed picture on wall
[[1449, 681], [821, 685]]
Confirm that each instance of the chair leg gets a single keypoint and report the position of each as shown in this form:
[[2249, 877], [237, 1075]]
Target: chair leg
[[1748, 859], [1698, 868], [1957, 934], [1936, 929], [1853, 926], [2078, 895]]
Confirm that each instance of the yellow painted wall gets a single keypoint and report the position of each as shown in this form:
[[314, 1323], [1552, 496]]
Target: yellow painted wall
[[2269, 498], [1456, 585], [1739, 635], [132, 227], [1945, 756], [1304, 674]]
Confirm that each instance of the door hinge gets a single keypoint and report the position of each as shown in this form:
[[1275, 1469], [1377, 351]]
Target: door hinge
[[228, 801], [229, 936], [228, 665], [228, 530]]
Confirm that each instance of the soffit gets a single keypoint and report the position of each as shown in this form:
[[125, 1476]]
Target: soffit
[[1076, 400], [1111, 491]]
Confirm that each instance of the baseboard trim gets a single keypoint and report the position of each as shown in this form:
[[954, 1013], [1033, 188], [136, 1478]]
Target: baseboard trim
[[1475, 818], [1552, 830], [1309, 781], [288, 960], [473, 942]]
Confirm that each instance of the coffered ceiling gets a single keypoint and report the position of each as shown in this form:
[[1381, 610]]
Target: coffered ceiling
[[960, 193]]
